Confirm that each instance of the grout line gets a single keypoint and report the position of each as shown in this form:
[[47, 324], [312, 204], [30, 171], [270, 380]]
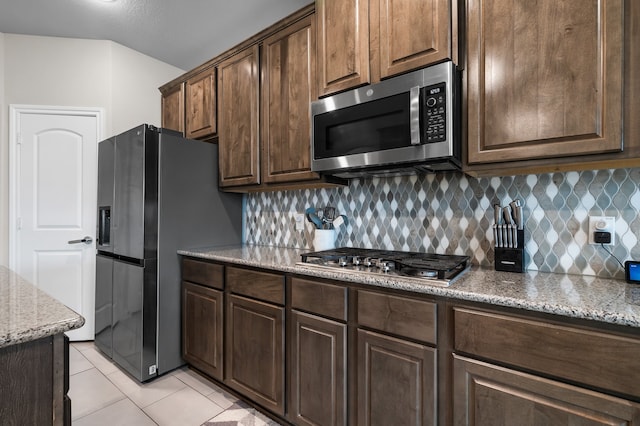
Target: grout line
[[252, 410], [124, 396]]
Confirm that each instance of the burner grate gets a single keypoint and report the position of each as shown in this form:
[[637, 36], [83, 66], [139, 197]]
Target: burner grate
[[445, 266]]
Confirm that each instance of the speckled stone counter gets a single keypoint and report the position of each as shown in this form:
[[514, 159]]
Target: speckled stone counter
[[27, 313], [586, 297]]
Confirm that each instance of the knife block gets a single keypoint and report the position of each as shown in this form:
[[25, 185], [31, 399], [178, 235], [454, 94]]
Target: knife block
[[511, 259]]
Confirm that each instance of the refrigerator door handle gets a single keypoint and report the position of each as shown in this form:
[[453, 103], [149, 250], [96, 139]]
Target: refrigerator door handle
[[86, 240]]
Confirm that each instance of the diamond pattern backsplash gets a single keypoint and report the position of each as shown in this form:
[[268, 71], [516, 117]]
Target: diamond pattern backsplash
[[452, 213]]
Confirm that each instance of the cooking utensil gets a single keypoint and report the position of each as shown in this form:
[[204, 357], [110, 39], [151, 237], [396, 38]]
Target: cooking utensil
[[497, 214], [510, 227], [328, 215], [516, 212], [517, 207], [313, 217], [520, 220], [339, 221], [497, 226]]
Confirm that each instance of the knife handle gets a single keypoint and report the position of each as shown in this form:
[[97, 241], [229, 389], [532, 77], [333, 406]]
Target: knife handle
[[520, 218], [505, 236], [506, 212], [497, 214]]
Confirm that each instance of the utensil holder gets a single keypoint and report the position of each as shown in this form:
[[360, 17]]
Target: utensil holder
[[324, 239], [511, 259]]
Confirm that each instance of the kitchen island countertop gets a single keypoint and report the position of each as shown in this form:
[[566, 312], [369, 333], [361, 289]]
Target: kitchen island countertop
[[577, 296], [27, 313]]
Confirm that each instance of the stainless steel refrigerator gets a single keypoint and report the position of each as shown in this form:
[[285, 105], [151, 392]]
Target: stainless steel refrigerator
[[157, 192]]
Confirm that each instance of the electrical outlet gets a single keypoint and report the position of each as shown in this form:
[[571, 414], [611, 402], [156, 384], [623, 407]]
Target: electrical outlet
[[599, 224], [299, 219]]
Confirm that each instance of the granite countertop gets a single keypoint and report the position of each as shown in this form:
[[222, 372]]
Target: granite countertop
[[27, 313], [586, 297]]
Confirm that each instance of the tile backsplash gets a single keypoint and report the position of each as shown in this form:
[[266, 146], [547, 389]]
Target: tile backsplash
[[452, 213]]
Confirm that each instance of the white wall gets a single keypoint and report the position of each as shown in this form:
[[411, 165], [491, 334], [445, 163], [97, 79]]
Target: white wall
[[4, 165], [73, 72]]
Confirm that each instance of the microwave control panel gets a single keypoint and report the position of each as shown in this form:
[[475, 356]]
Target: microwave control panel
[[434, 115]]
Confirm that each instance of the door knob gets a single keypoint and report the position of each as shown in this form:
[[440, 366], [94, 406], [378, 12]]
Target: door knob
[[86, 240]]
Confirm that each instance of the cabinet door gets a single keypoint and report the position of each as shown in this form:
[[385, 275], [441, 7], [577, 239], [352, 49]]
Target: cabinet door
[[396, 381], [412, 34], [318, 371], [486, 394], [202, 310], [289, 86], [173, 109], [35, 377], [544, 79], [238, 138], [343, 44], [255, 351], [201, 104]]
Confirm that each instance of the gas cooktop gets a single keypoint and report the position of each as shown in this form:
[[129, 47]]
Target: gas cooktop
[[427, 268]]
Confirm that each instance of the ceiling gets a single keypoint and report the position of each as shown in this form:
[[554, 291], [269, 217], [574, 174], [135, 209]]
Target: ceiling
[[183, 33]]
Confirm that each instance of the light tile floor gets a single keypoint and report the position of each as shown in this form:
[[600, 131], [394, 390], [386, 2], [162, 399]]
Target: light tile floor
[[101, 394]]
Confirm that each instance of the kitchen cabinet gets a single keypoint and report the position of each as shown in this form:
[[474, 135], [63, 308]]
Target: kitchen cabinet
[[189, 106], [487, 394], [255, 356], [397, 377], [200, 105], [329, 352], [288, 88], [511, 368], [35, 382], [173, 108], [318, 353], [202, 316], [239, 139], [363, 41], [254, 100], [547, 80]]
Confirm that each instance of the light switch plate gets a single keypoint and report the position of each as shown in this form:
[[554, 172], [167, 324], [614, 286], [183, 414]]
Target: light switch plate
[[602, 224]]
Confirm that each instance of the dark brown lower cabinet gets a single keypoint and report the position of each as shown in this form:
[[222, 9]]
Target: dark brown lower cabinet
[[396, 381], [202, 330], [255, 351], [485, 394], [34, 381], [318, 394], [371, 357]]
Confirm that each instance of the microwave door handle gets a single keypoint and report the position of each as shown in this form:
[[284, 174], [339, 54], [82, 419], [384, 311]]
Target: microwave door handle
[[414, 113]]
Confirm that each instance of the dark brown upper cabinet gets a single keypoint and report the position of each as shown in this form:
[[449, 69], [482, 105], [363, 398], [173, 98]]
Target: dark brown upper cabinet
[[547, 80], [363, 41], [239, 138], [288, 88], [173, 108], [201, 105]]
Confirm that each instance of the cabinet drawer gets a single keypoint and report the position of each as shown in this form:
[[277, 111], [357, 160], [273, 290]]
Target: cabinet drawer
[[319, 298], [402, 316], [204, 273], [256, 284], [584, 356], [502, 396]]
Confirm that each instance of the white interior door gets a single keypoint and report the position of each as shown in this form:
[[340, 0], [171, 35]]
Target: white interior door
[[54, 185]]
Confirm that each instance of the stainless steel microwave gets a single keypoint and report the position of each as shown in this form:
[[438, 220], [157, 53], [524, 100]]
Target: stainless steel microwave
[[406, 124]]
